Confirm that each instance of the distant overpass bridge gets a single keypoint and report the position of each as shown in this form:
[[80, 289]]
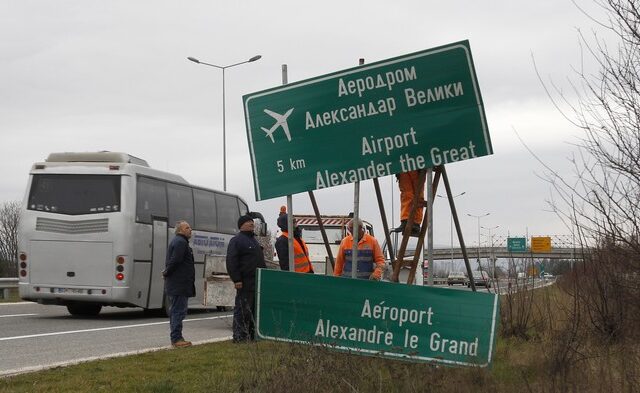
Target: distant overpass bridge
[[501, 252], [562, 247]]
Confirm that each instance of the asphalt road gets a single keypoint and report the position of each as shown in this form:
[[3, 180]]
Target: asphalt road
[[35, 337]]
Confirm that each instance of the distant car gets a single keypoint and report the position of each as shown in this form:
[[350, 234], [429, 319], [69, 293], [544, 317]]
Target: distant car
[[456, 278], [547, 276], [480, 278]]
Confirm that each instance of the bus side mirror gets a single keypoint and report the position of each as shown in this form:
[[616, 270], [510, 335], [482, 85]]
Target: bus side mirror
[[263, 229], [260, 228]]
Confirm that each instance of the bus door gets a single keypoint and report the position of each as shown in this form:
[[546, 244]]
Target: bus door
[[158, 257]]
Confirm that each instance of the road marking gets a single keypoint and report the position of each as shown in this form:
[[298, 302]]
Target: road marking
[[17, 304], [23, 370], [16, 315], [107, 328]]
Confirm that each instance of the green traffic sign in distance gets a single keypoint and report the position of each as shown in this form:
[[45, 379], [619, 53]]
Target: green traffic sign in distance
[[411, 112], [516, 244], [378, 318]]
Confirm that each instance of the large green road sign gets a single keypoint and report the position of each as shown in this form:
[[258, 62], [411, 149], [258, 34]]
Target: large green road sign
[[410, 112], [517, 244], [378, 318]]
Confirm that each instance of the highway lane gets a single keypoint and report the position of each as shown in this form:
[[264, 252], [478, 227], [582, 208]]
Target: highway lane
[[34, 337], [502, 287]]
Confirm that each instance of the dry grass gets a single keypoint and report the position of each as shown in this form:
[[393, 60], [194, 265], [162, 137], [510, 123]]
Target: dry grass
[[559, 353]]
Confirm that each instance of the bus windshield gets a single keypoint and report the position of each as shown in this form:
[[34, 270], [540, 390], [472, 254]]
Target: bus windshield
[[75, 194]]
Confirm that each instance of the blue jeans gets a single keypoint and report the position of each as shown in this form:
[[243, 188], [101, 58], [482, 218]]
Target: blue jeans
[[178, 312]]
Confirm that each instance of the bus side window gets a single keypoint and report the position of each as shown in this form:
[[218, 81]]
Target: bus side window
[[228, 213], [205, 210], [151, 199], [180, 203]]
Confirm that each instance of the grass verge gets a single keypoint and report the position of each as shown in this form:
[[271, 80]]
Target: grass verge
[[545, 362]]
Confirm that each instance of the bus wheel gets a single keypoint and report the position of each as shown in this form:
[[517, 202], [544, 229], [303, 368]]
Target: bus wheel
[[84, 309]]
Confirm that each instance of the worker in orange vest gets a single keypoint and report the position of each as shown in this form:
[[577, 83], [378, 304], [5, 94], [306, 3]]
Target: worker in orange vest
[[407, 182], [370, 258], [300, 251]]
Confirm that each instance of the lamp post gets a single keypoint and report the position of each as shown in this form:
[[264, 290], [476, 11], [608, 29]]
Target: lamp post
[[478, 217], [490, 229], [224, 135], [451, 227], [493, 259]]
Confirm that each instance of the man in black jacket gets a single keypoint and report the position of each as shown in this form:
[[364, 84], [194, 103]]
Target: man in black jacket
[[179, 284], [244, 257]]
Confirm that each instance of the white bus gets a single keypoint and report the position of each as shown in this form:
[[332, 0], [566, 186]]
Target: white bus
[[94, 230]]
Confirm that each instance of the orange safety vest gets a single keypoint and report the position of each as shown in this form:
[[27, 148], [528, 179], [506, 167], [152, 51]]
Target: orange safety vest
[[370, 258], [301, 261]]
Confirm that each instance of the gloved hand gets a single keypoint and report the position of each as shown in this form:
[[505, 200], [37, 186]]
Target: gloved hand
[[372, 276]]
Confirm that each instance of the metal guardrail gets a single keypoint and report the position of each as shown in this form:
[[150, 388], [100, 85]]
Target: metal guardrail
[[11, 282], [6, 284]]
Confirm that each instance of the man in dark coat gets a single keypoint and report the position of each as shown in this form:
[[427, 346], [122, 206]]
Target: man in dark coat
[[244, 257], [179, 284]]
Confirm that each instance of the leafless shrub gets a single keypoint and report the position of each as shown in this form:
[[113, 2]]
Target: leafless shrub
[[9, 217], [601, 201], [608, 301], [517, 307]]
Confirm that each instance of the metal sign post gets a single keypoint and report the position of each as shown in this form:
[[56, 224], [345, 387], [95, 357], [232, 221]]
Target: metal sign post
[[292, 264]]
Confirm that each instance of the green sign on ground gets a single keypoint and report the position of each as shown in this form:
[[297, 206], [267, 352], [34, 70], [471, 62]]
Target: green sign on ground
[[399, 321], [410, 112], [517, 244]]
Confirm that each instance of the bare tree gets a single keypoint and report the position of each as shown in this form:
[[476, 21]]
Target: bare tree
[[9, 218], [602, 200]]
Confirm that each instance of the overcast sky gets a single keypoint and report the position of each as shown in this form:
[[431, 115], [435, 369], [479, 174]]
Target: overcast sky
[[113, 75]]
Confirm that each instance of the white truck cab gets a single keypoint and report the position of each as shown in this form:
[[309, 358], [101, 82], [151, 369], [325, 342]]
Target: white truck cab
[[335, 227]]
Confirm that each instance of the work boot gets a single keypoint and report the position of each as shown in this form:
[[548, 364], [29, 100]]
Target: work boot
[[181, 344], [415, 230], [403, 224]]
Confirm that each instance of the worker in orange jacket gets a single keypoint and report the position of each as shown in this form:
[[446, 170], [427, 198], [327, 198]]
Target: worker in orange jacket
[[407, 182], [301, 261], [370, 258]]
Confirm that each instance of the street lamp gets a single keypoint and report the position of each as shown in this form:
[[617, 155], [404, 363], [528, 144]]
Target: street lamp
[[493, 258], [490, 229], [478, 217], [451, 226], [224, 140]]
